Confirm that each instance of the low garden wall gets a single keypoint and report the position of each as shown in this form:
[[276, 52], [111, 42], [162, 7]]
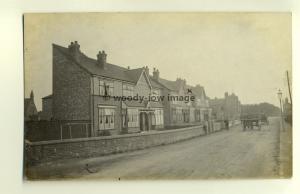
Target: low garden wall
[[45, 151]]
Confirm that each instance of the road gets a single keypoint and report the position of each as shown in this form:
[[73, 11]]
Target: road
[[226, 154]]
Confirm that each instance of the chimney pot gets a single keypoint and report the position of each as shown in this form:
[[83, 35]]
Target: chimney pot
[[74, 49], [156, 74], [101, 59], [147, 70]]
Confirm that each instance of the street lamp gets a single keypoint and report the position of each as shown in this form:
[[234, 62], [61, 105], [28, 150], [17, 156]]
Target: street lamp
[[280, 101]]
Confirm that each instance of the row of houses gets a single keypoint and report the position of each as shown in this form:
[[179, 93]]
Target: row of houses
[[114, 99], [227, 108]]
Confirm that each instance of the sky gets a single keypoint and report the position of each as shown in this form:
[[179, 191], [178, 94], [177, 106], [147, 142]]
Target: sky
[[242, 53]]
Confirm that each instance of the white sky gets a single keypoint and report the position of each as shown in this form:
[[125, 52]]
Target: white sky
[[247, 54]]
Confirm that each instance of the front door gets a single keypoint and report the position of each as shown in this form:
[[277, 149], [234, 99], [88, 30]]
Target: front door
[[142, 121], [145, 121]]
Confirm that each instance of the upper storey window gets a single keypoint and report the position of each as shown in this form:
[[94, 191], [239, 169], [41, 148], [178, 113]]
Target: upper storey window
[[106, 88], [127, 90]]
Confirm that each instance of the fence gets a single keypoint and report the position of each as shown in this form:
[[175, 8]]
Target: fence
[[56, 130]]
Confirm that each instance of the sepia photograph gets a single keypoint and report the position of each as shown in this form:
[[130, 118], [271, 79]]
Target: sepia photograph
[[157, 96]]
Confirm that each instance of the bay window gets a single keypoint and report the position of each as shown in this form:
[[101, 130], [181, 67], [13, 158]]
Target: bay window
[[159, 117], [132, 117], [106, 118]]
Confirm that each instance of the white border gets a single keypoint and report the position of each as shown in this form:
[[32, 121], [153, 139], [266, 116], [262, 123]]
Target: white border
[[11, 103]]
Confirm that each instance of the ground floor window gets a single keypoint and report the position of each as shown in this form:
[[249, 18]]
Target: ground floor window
[[192, 115], [159, 117], [132, 117], [197, 115], [106, 118], [124, 117], [179, 115], [173, 114], [206, 117], [186, 115]]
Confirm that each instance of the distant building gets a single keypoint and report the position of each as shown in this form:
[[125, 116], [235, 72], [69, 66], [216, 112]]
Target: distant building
[[30, 111], [227, 108], [181, 112], [47, 112]]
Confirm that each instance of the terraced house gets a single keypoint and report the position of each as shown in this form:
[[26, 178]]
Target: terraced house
[[193, 110], [90, 91], [111, 99]]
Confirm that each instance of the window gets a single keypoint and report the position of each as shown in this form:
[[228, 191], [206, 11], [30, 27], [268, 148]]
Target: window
[[106, 88], [192, 114], [132, 117], [174, 114], [159, 117], [186, 115], [106, 118], [197, 115], [127, 90], [124, 117], [179, 115]]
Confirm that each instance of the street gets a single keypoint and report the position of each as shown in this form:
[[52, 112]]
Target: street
[[226, 154]]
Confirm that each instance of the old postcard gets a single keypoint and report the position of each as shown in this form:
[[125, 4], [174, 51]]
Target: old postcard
[[123, 96]]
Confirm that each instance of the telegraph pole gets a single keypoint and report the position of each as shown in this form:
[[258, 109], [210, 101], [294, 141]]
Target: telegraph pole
[[288, 81]]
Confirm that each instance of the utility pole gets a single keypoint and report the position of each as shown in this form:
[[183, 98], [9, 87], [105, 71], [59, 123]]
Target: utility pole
[[288, 81], [280, 102]]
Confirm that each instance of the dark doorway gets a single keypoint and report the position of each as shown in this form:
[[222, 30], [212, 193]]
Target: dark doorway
[[142, 121], [145, 121]]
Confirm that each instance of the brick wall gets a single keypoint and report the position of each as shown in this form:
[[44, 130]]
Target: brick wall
[[97, 146], [71, 89]]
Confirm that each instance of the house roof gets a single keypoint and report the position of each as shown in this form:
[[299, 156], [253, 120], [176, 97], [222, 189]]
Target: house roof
[[216, 101], [198, 91], [170, 85], [47, 97], [111, 71], [154, 83]]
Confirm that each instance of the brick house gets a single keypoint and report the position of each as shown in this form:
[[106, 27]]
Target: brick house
[[91, 91], [181, 112], [202, 110]]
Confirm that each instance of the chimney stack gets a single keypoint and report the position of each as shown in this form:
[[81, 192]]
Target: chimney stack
[[155, 74], [74, 49], [101, 59], [226, 94], [147, 70], [181, 82]]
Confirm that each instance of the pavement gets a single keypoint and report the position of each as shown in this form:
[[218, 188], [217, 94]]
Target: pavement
[[228, 154], [286, 152]]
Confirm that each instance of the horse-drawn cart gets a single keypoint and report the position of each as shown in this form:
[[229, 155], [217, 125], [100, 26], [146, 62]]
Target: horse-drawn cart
[[251, 121], [264, 119]]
